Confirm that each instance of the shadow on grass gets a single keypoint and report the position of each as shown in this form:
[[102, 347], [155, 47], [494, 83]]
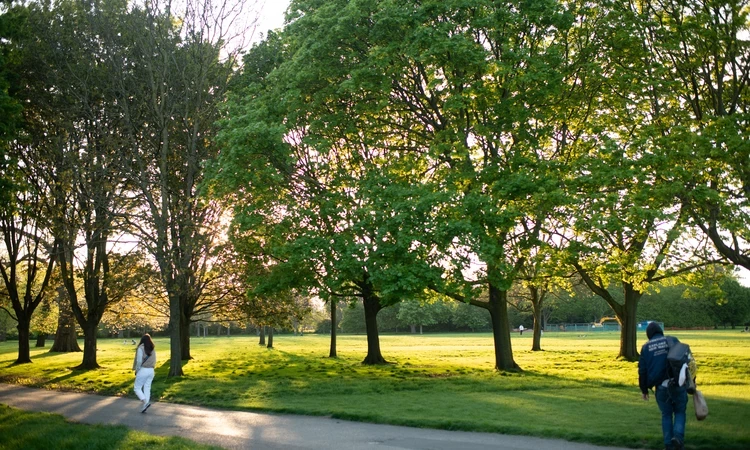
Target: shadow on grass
[[528, 403], [573, 404]]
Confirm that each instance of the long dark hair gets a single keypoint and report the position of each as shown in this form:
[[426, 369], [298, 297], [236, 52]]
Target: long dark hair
[[148, 344]]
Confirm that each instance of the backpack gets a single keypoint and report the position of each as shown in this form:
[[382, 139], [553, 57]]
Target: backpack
[[681, 366]]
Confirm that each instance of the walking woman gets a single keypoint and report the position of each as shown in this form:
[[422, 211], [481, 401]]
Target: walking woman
[[145, 361]]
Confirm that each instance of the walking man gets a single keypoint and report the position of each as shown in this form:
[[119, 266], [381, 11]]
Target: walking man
[[671, 398]]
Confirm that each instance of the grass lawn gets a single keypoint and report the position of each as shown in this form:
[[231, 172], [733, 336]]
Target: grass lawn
[[23, 430], [576, 389]]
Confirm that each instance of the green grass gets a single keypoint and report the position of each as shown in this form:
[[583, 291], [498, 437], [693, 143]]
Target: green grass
[[22, 430], [576, 389]]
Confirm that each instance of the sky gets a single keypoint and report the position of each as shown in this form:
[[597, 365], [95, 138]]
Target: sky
[[272, 15]]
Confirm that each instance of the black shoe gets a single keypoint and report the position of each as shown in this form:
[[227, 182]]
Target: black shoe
[[145, 407], [677, 444]]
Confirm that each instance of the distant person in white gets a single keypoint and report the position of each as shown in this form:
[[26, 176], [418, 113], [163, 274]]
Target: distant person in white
[[520, 328], [144, 363]]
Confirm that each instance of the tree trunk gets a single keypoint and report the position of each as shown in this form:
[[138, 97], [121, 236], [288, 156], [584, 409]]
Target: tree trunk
[[270, 337], [628, 332], [89, 346], [498, 307], [262, 335], [24, 346], [536, 306], [413, 329], [65, 335], [41, 339], [332, 351], [536, 345], [184, 339], [420, 328], [372, 308], [175, 343]]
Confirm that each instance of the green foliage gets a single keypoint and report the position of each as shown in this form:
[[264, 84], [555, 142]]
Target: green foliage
[[475, 319], [414, 312], [7, 325], [353, 320], [11, 19], [676, 307], [734, 308], [439, 316]]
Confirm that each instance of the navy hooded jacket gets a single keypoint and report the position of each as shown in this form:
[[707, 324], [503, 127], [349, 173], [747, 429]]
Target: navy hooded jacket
[[652, 365]]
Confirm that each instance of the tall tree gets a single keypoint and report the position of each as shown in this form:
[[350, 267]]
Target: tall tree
[[171, 84], [76, 148], [29, 249], [631, 225], [543, 273], [485, 105], [313, 201], [29, 253]]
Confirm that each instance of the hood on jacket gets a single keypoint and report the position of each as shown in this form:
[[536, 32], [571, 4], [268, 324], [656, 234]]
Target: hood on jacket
[[653, 329]]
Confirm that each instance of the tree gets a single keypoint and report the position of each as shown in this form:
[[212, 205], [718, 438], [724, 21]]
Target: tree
[[414, 312], [680, 306], [75, 147], [173, 80], [631, 224], [28, 259], [333, 305], [262, 335], [629, 236], [66, 339], [486, 133], [543, 274], [734, 308], [312, 192]]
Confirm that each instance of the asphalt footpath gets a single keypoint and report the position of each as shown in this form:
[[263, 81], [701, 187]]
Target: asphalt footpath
[[249, 430]]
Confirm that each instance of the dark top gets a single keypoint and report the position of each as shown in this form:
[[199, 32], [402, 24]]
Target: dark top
[[652, 365]]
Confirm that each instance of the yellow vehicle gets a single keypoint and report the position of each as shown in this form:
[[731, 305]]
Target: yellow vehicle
[[610, 321]]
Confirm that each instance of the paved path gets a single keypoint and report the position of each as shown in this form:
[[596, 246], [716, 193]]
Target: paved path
[[248, 430]]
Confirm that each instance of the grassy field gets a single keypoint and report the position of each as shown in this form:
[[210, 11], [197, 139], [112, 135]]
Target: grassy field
[[576, 389], [23, 430]]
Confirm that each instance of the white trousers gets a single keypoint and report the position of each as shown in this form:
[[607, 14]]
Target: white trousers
[[143, 380]]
